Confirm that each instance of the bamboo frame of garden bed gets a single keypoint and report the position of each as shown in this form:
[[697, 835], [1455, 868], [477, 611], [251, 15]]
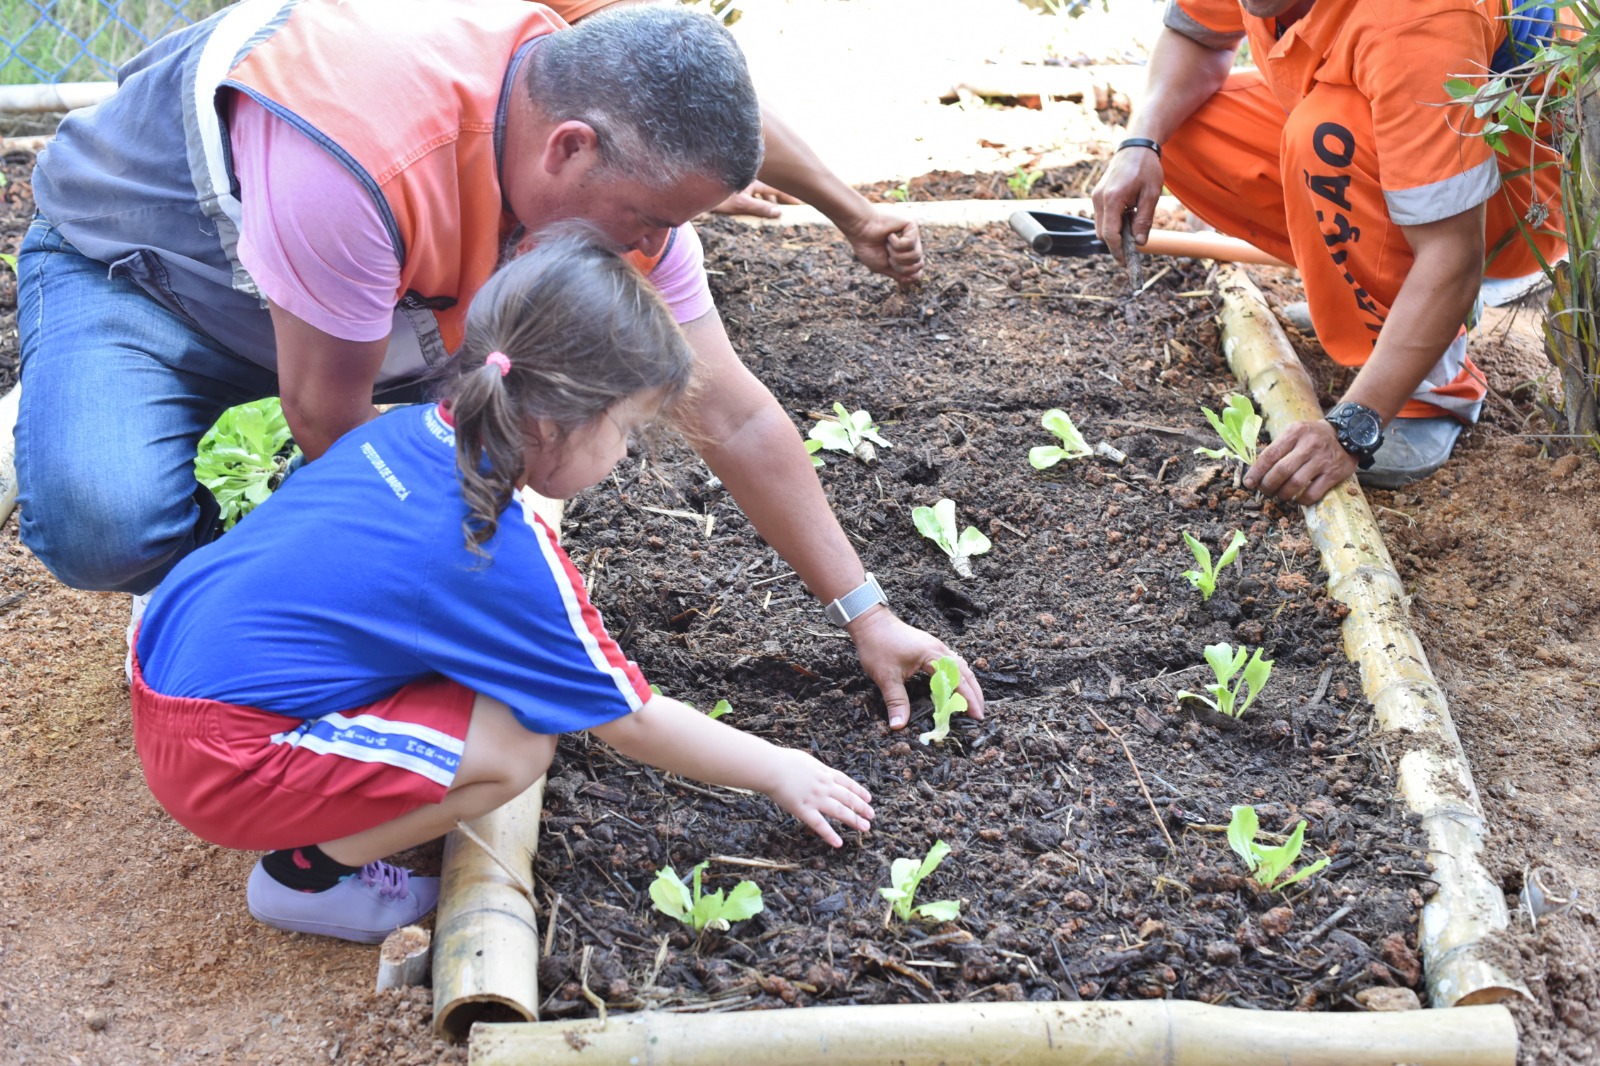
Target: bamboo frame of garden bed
[[1434, 779]]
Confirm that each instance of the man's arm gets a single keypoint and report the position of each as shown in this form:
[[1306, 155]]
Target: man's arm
[[325, 383], [748, 441], [883, 241], [1184, 74], [1435, 299]]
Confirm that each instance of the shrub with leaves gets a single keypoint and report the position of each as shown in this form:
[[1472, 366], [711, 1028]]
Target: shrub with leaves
[[854, 433], [1239, 427], [905, 875], [946, 700], [1205, 578], [1073, 446], [1225, 663], [703, 910], [938, 524], [1267, 864], [244, 457]]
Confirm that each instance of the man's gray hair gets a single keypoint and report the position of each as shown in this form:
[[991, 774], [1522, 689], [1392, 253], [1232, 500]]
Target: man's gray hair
[[666, 90]]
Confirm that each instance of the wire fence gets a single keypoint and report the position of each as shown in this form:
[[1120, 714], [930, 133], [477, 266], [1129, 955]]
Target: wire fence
[[85, 40]]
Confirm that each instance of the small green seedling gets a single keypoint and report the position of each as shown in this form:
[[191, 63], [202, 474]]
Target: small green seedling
[[1239, 427], [1021, 182], [812, 448], [1268, 864], [9, 260], [1205, 578], [699, 910], [718, 709], [904, 877], [244, 457], [946, 700], [1225, 663], [938, 524], [854, 433], [1073, 446], [901, 193]]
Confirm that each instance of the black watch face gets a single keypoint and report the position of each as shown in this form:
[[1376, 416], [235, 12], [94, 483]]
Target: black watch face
[[1362, 427]]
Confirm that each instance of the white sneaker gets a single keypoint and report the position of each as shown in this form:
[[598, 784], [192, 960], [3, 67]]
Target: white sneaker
[[140, 602]]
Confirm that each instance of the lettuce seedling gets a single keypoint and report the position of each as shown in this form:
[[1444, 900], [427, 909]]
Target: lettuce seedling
[[1073, 446], [904, 877], [1239, 427], [1225, 663], [699, 910], [718, 709], [1205, 578], [244, 457], [854, 433], [938, 524], [946, 700], [1268, 864], [812, 448]]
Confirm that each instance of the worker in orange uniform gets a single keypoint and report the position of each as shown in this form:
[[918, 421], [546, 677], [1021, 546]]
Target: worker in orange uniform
[[1341, 154], [792, 173]]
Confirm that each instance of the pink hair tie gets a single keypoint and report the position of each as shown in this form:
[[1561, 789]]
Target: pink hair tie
[[498, 359]]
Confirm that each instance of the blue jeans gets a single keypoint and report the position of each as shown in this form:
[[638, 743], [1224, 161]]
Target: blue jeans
[[117, 391]]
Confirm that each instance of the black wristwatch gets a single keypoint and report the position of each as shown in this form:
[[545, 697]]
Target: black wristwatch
[[1360, 431]]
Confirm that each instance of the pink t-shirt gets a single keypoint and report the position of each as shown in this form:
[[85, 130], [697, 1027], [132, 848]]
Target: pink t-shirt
[[327, 259]]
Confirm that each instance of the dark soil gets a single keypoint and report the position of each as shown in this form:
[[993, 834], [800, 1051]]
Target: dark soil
[[1079, 625]]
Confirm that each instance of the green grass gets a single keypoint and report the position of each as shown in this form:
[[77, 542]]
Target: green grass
[[103, 26]]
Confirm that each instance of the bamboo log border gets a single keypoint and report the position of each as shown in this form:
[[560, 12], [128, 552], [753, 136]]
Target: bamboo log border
[[8, 451], [1434, 777], [1176, 1032]]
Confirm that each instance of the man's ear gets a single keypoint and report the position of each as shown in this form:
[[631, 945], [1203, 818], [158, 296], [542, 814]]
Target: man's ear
[[571, 144]]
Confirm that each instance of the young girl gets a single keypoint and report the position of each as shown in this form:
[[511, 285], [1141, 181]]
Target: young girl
[[386, 646]]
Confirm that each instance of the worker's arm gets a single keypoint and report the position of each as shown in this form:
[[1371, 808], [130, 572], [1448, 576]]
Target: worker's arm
[[747, 441], [325, 383], [1434, 300], [1184, 74], [883, 241]]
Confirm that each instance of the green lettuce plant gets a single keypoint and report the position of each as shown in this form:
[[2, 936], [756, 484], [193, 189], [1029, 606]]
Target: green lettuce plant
[[812, 448], [1205, 578], [905, 875], [854, 433], [1073, 446], [1225, 663], [244, 457], [1267, 864], [1239, 427], [946, 700], [938, 524], [703, 910], [718, 709]]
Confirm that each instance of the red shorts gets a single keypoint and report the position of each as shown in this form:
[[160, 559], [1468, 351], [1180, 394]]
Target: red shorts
[[256, 781]]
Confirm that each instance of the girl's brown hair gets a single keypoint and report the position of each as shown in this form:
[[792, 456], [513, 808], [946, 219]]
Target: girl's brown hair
[[581, 329]]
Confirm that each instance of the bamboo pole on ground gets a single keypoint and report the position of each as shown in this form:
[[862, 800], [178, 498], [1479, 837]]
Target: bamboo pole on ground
[[8, 451], [963, 213], [55, 96], [1173, 1032], [1434, 777], [486, 936]]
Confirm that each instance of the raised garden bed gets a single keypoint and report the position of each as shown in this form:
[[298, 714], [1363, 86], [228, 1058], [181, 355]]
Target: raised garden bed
[[1079, 624]]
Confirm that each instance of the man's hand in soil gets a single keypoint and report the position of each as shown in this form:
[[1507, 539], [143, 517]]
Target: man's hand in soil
[[817, 794], [892, 651], [760, 200], [1302, 464], [887, 244]]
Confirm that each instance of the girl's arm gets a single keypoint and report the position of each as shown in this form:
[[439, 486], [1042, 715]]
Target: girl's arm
[[679, 739]]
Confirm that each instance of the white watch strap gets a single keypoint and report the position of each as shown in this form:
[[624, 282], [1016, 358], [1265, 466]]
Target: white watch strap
[[856, 602]]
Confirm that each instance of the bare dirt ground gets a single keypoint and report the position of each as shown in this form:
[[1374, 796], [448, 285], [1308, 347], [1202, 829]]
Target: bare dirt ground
[[123, 939]]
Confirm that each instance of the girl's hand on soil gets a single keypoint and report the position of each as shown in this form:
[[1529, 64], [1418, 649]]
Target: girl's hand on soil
[[892, 651], [816, 793], [1302, 464], [759, 199], [1132, 182]]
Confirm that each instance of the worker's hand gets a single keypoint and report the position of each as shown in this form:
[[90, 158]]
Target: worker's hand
[[817, 794], [892, 651], [885, 243], [759, 199], [1132, 182], [1302, 464]]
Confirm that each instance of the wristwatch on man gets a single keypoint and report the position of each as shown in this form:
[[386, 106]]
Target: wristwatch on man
[[1360, 431], [856, 602]]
